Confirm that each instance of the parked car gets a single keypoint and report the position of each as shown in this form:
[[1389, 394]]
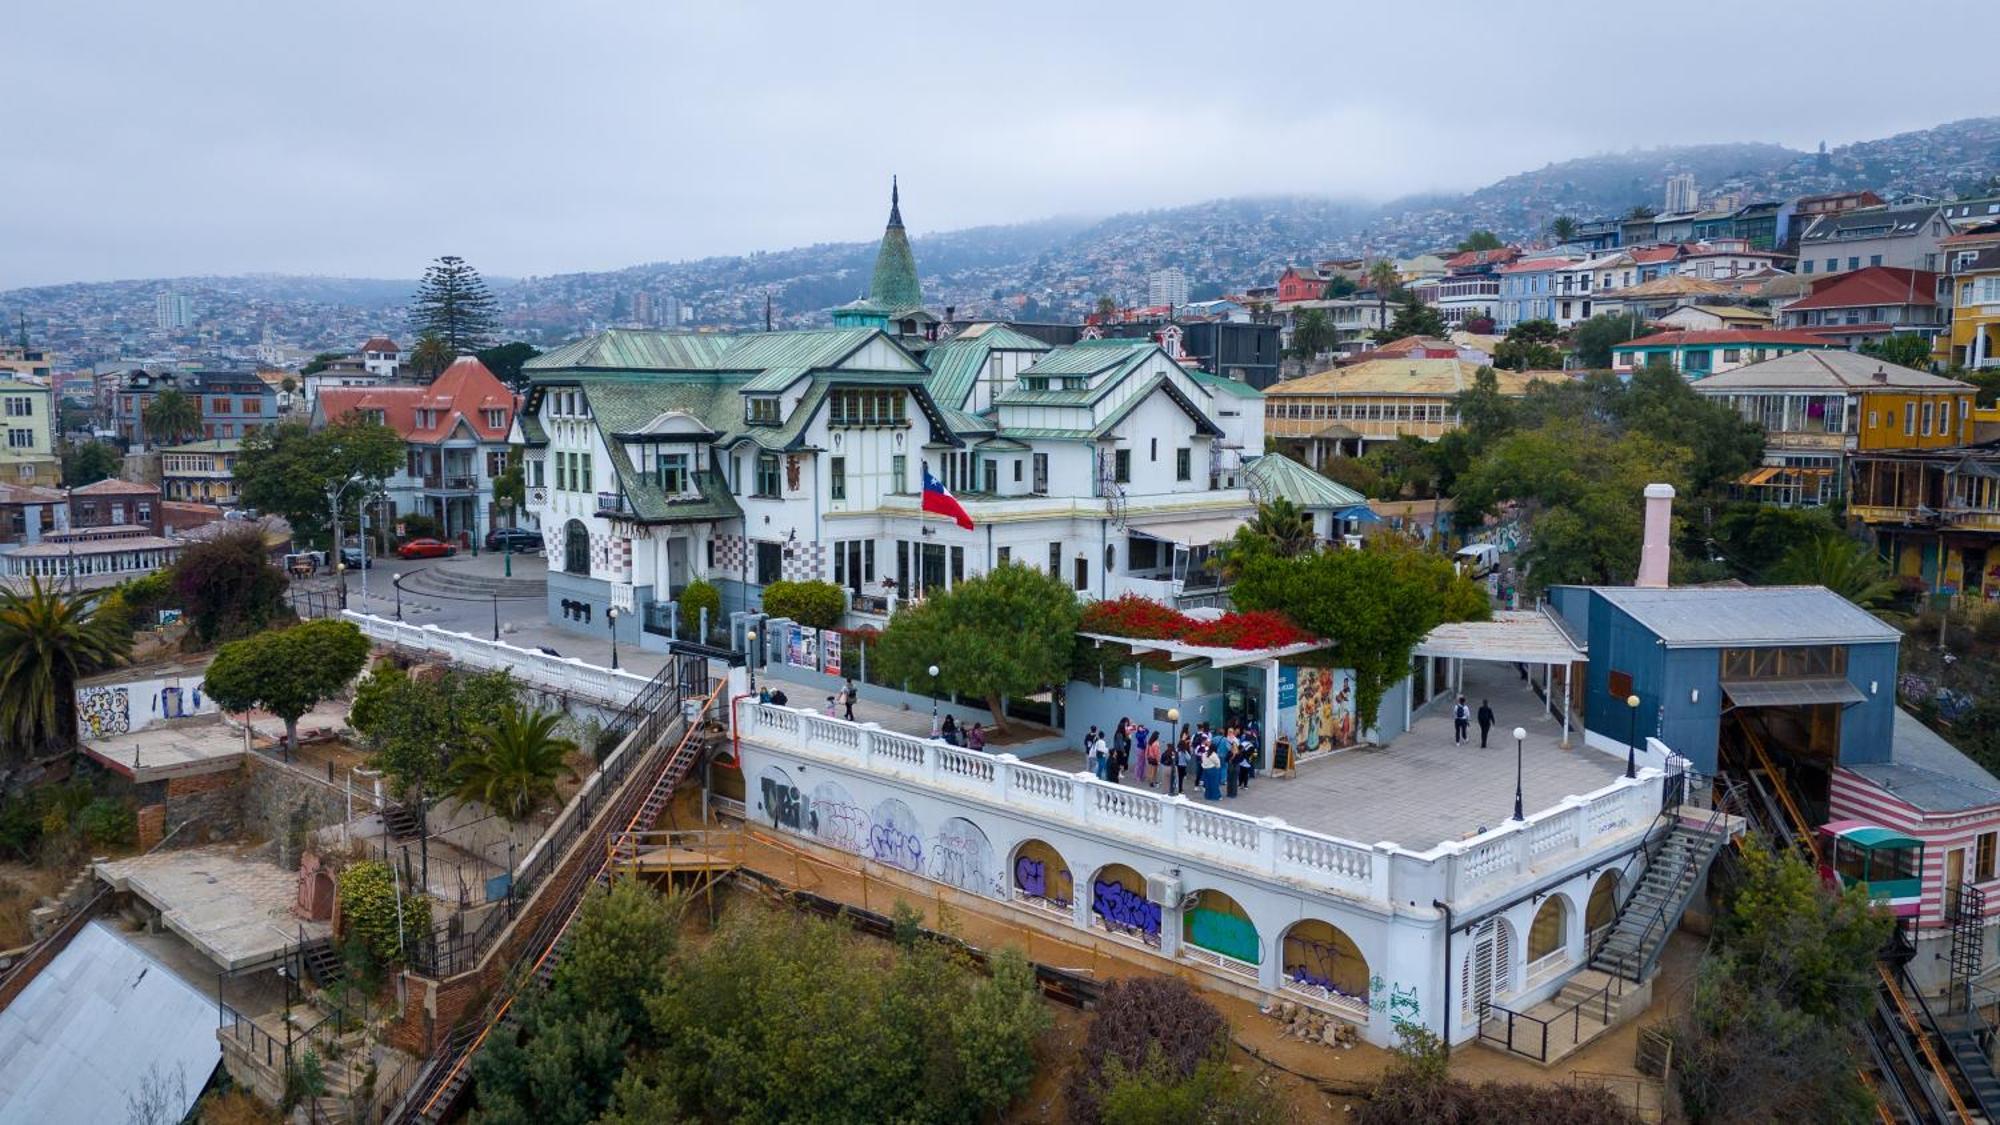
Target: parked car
[[521, 538], [1477, 560], [425, 549], [354, 558], [304, 564]]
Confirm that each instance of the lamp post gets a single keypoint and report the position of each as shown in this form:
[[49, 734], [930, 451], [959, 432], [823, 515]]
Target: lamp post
[[496, 628], [1632, 742], [750, 656], [1173, 746], [397, 582], [1520, 736], [933, 669], [611, 618]]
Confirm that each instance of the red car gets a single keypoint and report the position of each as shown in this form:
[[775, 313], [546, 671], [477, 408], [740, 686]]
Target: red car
[[425, 549]]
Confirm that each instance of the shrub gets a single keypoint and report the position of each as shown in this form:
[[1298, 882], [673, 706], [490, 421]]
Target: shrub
[[1417, 1089], [1262, 628], [368, 910], [150, 593], [107, 822], [228, 586], [417, 526], [1155, 1027], [699, 595], [816, 604]]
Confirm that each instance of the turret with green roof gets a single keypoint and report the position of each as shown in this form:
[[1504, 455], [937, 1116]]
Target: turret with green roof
[[895, 285]]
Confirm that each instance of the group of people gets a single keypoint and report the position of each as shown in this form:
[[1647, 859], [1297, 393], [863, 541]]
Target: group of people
[[1221, 761], [841, 703], [1461, 722], [972, 736]]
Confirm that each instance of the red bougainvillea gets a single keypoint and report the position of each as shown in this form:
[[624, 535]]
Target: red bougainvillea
[[1134, 616], [1262, 628], [1145, 619]]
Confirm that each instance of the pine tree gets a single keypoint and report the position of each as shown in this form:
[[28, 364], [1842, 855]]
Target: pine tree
[[452, 303]]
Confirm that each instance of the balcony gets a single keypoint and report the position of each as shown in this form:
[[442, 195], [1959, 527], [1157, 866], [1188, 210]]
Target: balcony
[[613, 504], [450, 482]]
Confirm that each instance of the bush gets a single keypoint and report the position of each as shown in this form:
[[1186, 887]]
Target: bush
[[817, 604], [1157, 1028], [1215, 1093], [1417, 1089], [228, 586], [108, 822], [368, 911], [150, 593], [416, 526], [699, 595]]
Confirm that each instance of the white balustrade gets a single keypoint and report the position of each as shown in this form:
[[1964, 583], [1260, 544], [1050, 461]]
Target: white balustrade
[[561, 674], [1217, 833], [969, 765], [1319, 859], [1043, 786]]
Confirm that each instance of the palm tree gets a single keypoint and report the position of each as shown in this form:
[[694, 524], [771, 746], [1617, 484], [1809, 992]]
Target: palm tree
[[1382, 277], [171, 417], [1313, 334], [1562, 228], [1842, 565], [48, 641], [431, 356], [1288, 527], [513, 768]]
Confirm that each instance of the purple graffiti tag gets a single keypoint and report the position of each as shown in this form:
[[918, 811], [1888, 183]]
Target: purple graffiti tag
[[1124, 911], [896, 848], [1028, 877]]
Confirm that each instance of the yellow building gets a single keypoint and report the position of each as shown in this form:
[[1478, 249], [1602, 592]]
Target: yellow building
[[1935, 514], [1915, 419], [27, 435], [1973, 283], [201, 472], [1340, 412]]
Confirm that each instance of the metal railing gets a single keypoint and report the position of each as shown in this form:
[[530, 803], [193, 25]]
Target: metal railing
[[452, 482], [1596, 1004], [1659, 921]]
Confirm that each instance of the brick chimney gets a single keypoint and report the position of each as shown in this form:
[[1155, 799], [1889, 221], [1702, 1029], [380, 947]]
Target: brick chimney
[[1657, 550]]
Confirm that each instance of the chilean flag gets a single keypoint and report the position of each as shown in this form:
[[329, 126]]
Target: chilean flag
[[939, 500]]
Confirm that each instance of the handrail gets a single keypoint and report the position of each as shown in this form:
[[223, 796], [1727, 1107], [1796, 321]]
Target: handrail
[[1799, 824], [1923, 1041], [1601, 996], [1658, 920]]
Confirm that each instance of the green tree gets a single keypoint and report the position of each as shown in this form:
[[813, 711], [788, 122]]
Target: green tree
[[1414, 318], [452, 303], [1338, 286], [505, 361], [227, 586], [1279, 528], [1215, 1093], [320, 362], [89, 463], [1374, 604], [1106, 305], [699, 595], [1562, 228], [620, 951], [510, 488], [1007, 632], [1594, 339], [1904, 349], [289, 468], [818, 604], [430, 357], [1840, 564], [562, 1072], [171, 418], [1385, 281], [1479, 240], [513, 763], [1313, 334], [1753, 537], [287, 671], [49, 639], [1530, 345], [1150, 1035], [387, 920], [415, 727], [1660, 403]]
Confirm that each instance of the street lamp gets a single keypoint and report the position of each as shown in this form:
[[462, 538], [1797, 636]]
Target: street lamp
[[750, 656], [1520, 736], [1173, 747], [496, 629], [1632, 742], [934, 700], [397, 582], [611, 619]]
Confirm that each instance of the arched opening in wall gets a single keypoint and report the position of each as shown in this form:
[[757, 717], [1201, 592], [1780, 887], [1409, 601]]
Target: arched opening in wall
[[1042, 879], [1118, 904], [1601, 911], [1321, 961], [1488, 971], [1215, 929], [894, 837], [1548, 938], [576, 548], [961, 855], [835, 819]]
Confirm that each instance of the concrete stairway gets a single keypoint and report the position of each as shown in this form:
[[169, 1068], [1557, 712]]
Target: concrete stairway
[[1588, 1004], [1651, 913], [444, 580]]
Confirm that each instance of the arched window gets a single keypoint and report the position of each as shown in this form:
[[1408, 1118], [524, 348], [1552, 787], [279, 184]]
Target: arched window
[[1546, 935], [576, 548]]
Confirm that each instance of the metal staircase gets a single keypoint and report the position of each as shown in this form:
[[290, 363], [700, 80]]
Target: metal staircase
[[1109, 488], [1673, 870], [448, 1073]]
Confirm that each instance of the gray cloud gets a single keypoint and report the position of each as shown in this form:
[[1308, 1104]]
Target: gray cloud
[[365, 137]]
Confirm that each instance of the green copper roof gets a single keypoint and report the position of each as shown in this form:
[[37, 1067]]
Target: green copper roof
[[895, 283], [1276, 475], [1226, 386], [957, 363], [628, 349]]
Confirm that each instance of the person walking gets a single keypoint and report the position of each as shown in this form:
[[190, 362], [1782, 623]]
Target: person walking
[[1461, 723], [848, 702], [1099, 753], [1485, 722], [1154, 766], [1250, 746], [975, 739]]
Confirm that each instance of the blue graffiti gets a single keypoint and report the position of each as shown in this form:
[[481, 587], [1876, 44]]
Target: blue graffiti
[[1031, 876], [1121, 909], [896, 848]]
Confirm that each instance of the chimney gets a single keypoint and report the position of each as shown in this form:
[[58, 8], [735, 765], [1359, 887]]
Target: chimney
[[1881, 376], [1657, 550]]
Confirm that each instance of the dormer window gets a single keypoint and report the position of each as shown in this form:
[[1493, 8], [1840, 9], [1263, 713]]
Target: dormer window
[[670, 473], [762, 410], [495, 418], [866, 408]]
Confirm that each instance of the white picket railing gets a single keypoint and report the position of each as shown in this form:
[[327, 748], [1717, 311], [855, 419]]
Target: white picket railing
[[562, 674], [1466, 870]]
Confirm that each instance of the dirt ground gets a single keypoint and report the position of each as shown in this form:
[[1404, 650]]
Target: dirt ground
[[22, 888]]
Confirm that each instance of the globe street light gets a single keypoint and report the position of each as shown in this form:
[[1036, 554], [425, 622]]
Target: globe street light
[[1520, 736], [934, 700], [611, 618], [1173, 747], [750, 656], [1632, 743]]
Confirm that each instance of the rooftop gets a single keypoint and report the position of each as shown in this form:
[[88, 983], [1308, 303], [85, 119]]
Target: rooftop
[[1727, 337], [1876, 285], [1928, 773], [1835, 370], [1746, 616], [1402, 376], [234, 906]]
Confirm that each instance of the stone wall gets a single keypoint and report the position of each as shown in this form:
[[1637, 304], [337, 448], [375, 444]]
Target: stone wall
[[286, 804]]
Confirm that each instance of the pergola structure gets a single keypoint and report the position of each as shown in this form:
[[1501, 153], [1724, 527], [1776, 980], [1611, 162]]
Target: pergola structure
[[1530, 637]]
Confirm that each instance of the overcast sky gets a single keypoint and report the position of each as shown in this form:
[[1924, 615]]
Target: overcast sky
[[364, 138]]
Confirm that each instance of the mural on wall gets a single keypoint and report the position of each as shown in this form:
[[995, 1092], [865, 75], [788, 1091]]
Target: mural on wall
[[103, 711], [1118, 899], [781, 799], [895, 838], [1041, 875], [1325, 718], [960, 855], [1219, 925]]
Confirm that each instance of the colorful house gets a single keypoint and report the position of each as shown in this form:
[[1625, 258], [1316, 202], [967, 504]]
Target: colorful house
[[1868, 305], [1699, 355], [1935, 514], [28, 456]]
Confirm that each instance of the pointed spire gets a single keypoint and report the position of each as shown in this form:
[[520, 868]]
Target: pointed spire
[[895, 204], [894, 286]]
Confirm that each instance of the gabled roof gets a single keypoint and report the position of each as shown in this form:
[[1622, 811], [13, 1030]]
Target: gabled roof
[[1646, 255], [1164, 383], [1748, 616], [1837, 370], [1400, 376], [112, 486], [1869, 222], [461, 395], [1876, 285], [631, 349], [380, 344], [1277, 476], [1727, 337], [1469, 258], [1539, 265], [1672, 285], [957, 363]]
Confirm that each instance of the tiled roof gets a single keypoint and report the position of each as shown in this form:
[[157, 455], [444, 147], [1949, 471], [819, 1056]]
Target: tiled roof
[[1876, 285], [464, 392], [1470, 258], [1645, 255], [380, 344], [1673, 285], [1539, 265]]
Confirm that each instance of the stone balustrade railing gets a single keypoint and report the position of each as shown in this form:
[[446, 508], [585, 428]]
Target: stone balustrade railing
[[1463, 871], [561, 674]]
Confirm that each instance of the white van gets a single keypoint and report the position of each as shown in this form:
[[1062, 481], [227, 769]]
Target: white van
[[1477, 560]]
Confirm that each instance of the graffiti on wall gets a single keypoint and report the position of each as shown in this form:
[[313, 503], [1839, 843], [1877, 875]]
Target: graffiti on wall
[[960, 855], [895, 838], [1124, 910], [1397, 1001], [1033, 879], [781, 799], [103, 711], [836, 820]]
